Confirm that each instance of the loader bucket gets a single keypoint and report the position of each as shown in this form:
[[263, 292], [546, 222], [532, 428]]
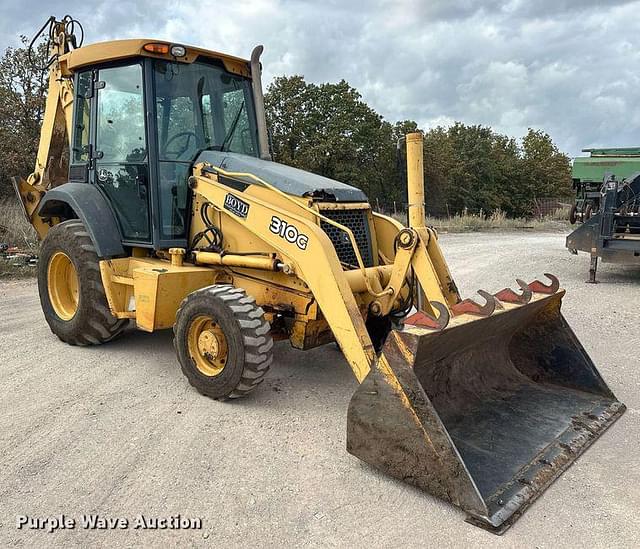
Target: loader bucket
[[485, 413]]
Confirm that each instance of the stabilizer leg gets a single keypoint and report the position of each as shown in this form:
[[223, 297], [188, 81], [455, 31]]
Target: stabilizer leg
[[592, 269]]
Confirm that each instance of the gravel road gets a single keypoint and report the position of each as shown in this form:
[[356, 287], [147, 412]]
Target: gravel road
[[117, 431]]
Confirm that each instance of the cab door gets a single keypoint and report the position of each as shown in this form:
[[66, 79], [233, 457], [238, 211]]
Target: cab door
[[120, 159]]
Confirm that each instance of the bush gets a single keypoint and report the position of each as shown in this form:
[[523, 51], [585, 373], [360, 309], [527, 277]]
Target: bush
[[15, 230], [498, 220]]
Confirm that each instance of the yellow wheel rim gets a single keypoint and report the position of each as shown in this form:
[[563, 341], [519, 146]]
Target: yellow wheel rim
[[207, 345], [62, 280]]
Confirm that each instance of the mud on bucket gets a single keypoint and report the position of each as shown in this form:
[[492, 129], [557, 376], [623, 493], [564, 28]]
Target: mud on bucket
[[484, 414]]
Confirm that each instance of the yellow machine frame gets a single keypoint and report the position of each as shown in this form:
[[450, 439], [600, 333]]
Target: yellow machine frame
[[309, 288], [287, 279]]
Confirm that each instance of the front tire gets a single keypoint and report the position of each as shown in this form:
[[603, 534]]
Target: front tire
[[573, 214], [70, 287], [223, 341]]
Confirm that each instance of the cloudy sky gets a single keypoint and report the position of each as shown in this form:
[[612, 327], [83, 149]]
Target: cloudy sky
[[569, 67]]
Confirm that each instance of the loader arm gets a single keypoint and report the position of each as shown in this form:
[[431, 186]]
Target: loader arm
[[316, 263]]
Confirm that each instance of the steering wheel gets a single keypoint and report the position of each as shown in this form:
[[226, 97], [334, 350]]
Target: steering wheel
[[178, 153]]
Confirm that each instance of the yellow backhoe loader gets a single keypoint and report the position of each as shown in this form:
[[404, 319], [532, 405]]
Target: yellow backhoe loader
[[157, 202]]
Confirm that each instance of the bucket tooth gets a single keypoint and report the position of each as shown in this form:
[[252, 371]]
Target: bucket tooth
[[541, 288], [427, 321], [489, 296], [468, 306], [509, 296]]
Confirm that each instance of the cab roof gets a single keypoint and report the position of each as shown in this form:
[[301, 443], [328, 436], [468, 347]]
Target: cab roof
[[115, 50]]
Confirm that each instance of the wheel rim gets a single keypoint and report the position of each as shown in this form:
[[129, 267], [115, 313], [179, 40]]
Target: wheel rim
[[207, 345], [62, 280]]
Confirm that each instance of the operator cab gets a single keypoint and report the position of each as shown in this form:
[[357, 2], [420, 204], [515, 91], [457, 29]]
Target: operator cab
[[141, 122]]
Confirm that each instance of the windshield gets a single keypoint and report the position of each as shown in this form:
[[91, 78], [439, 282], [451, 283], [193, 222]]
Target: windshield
[[202, 106]]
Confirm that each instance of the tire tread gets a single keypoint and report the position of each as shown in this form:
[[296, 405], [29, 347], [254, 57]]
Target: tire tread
[[255, 332], [99, 325]]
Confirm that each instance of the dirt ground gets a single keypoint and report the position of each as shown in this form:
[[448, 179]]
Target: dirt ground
[[116, 430]]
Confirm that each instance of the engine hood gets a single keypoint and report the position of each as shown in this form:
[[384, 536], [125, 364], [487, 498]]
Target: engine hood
[[285, 178]]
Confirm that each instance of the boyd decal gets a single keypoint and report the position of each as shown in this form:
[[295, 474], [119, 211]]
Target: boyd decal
[[236, 206], [289, 232]]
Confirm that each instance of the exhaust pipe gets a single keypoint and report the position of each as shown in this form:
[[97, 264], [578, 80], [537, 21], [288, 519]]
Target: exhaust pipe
[[258, 99], [415, 180]]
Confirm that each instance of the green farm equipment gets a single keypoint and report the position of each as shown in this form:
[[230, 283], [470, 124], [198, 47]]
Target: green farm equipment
[[589, 173]]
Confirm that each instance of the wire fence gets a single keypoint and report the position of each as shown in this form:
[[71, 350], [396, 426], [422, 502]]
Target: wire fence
[[550, 207], [540, 208]]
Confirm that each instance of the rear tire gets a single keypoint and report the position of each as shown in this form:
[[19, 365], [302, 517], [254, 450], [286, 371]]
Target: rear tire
[[573, 217], [70, 287], [223, 341]]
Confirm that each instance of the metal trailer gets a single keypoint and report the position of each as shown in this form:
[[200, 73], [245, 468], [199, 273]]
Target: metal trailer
[[589, 172], [613, 233]]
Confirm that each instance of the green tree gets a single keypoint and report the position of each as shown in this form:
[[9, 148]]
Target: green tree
[[477, 169], [439, 161], [22, 96], [546, 171], [327, 129]]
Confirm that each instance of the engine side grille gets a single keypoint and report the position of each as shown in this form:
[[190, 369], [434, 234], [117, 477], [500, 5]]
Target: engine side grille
[[356, 220]]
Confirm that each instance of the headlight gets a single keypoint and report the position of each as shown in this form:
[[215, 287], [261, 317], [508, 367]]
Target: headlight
[[178, 51]]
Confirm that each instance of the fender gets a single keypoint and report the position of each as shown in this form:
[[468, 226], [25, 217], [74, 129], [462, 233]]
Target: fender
[[92, 208]]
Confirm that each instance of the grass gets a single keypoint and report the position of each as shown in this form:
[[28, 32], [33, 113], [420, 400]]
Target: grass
[[467, 222], [16, 231]]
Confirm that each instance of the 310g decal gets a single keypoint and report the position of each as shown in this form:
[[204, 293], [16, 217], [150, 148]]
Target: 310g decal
[[289, 232]]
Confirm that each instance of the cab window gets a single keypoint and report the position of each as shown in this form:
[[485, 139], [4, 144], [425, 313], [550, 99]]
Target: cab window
[[121, 128]]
